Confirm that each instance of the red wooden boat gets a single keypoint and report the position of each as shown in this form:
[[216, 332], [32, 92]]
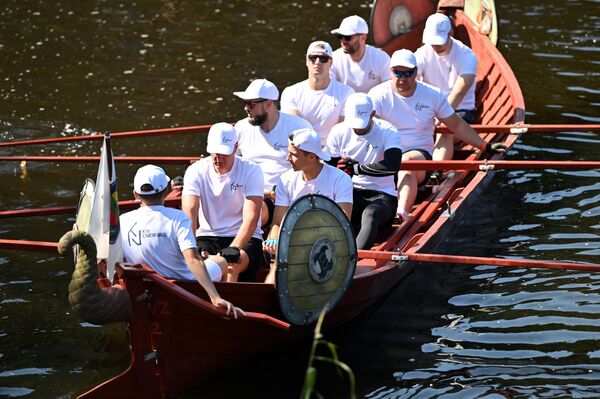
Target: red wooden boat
[[178, 338]]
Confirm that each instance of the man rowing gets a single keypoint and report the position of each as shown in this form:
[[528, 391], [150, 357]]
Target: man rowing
[[263, 136], [412, 107], [357, 64], [368, 149], [222, 195], [451, 66], [163, 238], [309, 175], [318, 99]]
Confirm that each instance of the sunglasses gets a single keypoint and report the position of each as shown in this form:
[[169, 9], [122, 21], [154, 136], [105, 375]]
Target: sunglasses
[[251, 104], [345, 37], [322, 58], [403, 74]]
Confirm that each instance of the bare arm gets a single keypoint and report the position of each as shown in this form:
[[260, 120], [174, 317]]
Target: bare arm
[[250, 215], [347, 208], [270, 245], [197, 267], [190, 205], [463, 131], [460, 89], [293, 112]]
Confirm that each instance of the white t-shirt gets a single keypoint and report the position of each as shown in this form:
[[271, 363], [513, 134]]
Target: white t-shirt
[[413, 116], [321, 108], [372, 69], [157, 236], [331, 182], [366, 149], [222, 196], [443, 71], [268, 150]]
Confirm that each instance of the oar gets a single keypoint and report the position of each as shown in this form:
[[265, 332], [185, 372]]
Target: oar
[[406, 165], [64, 210], [23, 245], [525, 128], [497, 165], [140, 133], [538, 128], [96, 159], [477, 260]]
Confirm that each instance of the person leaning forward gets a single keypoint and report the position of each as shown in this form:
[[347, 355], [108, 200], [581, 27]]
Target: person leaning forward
[[222, 195], [263, 137], [163, 238], [309, 175], [451, 66], [412, 107], [368, 149], [356, 63]]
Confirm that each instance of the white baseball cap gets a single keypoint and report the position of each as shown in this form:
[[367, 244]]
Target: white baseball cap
[[221, 139], [308, 140], [151, 175], [358, 110], [403, 57], [351, 26], [436, 30], [319, 48], [259, 88]]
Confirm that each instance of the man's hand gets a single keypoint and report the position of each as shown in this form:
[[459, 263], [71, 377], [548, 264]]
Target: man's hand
[[177, 183], [270, 246], [231, 254], [229, 308], [348, 165]]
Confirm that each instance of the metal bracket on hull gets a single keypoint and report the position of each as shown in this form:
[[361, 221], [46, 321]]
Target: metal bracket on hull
[[151, 355], [518, 130], [485, 167], [399, 258]]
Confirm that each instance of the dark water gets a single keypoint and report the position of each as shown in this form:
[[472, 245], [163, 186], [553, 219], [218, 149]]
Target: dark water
[[70, 68]]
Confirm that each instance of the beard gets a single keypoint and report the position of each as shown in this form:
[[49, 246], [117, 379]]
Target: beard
[[257, 120], [350, 49]]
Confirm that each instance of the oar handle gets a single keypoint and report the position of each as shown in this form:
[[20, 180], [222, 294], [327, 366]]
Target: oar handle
[[476, 260]]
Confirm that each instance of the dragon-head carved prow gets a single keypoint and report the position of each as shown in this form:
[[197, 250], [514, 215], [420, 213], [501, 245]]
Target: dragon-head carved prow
[[90, 302]]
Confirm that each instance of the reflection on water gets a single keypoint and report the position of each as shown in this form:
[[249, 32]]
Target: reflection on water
[[81, 68]]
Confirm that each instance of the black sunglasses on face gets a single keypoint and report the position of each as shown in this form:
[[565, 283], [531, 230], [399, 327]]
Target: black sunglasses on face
[[251, 104], [322, 58], [344, 37], [404, 74]]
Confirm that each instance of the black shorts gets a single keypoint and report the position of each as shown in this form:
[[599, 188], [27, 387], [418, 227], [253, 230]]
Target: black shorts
[[253, 248], [468, 115], [271, 207]]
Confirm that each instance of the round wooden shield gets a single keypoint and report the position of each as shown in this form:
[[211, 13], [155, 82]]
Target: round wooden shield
[[393, 18], [316, 258]]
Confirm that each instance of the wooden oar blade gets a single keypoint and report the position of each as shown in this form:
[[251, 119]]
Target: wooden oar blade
[[477, 260]]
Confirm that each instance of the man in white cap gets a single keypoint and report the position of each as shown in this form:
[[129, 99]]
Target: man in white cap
[[318, 99], [263, 136], [412, 107], [222, 195], [163, 239], [451, 66], [356, 63], [368, 149], [309, 175]]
